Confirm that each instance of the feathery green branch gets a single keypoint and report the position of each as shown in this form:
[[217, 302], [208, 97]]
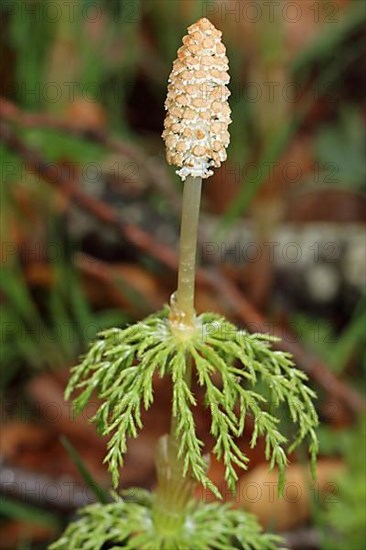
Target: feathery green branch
[[121, 365]]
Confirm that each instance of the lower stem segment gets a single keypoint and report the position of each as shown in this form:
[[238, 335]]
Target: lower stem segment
[[174, 490]]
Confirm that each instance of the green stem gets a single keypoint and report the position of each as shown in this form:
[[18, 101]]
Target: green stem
[[174, 490], [188, 248]]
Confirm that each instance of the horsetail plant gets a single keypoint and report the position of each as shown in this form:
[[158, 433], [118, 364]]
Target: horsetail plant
[[229, 364]]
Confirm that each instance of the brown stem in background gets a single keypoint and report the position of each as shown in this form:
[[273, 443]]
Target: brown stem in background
[[150, 166]]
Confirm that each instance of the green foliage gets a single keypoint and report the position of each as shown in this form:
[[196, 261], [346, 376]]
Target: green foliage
[[251, 359], [120, 367], [331, 41], [55, 145], [130, 525], [344, 518], [339, 148], [51, 339], [19, 511], [100, 494], [336, 57], [336, 349]]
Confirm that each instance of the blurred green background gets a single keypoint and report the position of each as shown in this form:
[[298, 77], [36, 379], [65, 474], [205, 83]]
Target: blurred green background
[[283, 222]]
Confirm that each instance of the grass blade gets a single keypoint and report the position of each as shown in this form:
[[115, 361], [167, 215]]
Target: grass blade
[[101, 495]]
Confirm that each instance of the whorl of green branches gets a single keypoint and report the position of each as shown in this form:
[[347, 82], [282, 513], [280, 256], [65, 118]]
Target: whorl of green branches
[[129, 524], [229, 364]]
